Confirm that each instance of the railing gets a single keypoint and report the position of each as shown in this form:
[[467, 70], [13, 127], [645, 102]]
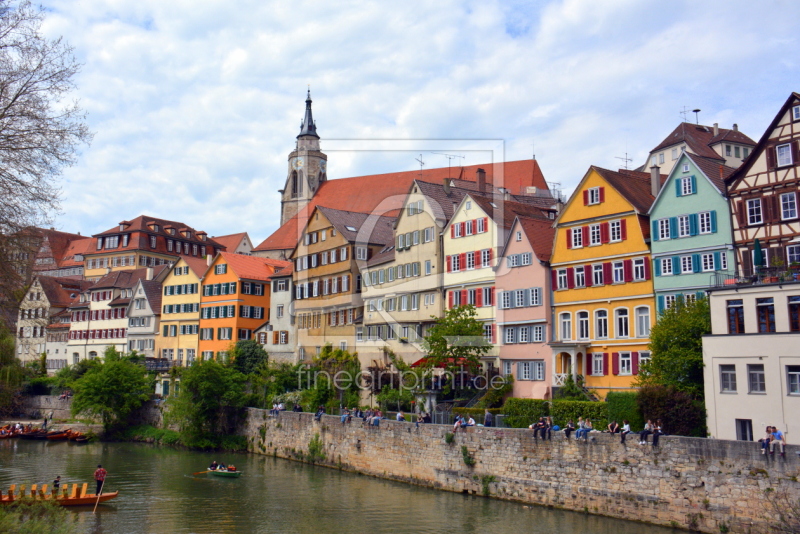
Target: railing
[[559, 379], [763, 275], [161, 364]]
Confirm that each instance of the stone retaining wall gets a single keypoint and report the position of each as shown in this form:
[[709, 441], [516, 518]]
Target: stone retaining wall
[[39, 405], [701, 484]]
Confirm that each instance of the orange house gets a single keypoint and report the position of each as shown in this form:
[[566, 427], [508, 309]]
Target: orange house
[[234, 301]]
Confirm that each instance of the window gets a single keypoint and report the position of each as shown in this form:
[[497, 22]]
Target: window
[[794, 314], [793, 379], [619, 272], [597, 364], [361, 254], [644, 358], [754, 211], [687, 185], [638, 269], [793, 254], [597, 275], [683, 226], [519, 236], [755, 378], [685, 167], [470, 261], [661, 158], [221, 269], [727, 378], [642, 322], [524, 370], [538, 334], [583, 325], [601, 324], [789, 206], [615, 230], [562, 279], [486, 257], [506, 368], [577, 237], [622, 323], [594, 234], [152, 241], [488, 335], [526, 258], [428, 235], [686, 265], [704, 219], [674, 153], [784, 154], [666, 266], [580, 278], [625, 363], [566, 326], [735, 316], [594, 195], [487, 296], [737, 152], [468, 227], [510, 335], [796, 113], [766, 315], [663, 229]]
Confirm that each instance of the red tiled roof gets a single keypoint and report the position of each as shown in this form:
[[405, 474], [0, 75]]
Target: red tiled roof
[[504, 212], [58, 243], [230, 242], [76, 247], [253, 267], [140, 232], [59, 290], [540, 234], [286, 271], [716, 171], [634, 186], [199, 266], [361, 227], [152, 290], [127, 279], [385, 193], [701, 138]]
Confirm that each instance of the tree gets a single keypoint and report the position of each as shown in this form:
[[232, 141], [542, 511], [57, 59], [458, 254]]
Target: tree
[[456, 342], [112, 390], [12, 375], [248, 355], [210, 404], [40, 131], [676, 345]]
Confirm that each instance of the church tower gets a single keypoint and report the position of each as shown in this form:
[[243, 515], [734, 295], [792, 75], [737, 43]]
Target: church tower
[[307, 168]]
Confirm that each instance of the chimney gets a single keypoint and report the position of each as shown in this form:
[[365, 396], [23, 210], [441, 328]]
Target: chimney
[[716, 129], [149, 274], [506, 194], [655, 180], [735, 127], [446, 183], [481, 180], [209, 259], [721, 174]]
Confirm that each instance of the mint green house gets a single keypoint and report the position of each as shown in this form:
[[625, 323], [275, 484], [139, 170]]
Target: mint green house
[[690, 235]]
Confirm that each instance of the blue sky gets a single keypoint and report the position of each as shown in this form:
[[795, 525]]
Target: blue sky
[[195, 105]]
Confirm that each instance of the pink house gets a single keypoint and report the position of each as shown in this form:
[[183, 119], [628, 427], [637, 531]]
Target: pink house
[[523, 307]]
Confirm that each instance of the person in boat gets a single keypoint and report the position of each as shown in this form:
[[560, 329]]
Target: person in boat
[[57, 484], [222, 467], [100, 477]]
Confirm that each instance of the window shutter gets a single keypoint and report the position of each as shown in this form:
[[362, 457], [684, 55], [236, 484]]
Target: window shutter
[[569, 237], [570, 278], [463, 261], [602, 194], [647, 272], [660, 303], [494, 333], [696, 266], [676, 265], [741, 213], [747, 263], [491, 295], [677, 189], [635, 363], [491, 256], [772, 157], [447, 263], [463, 228], [453, 230], [657, 267], [795, 152], [607, 279], [275, 337], [654, 236], [585, 197], [766, 208], [587, 275], [717, 261], [693, 224], [585, 235], [554, 279], [588, 365], [463, 297], [623, 229], [673, 227], [605, 232], [449, 299], [479, 297], [694, 185], [615, 363], [526, 299], [605, 364]]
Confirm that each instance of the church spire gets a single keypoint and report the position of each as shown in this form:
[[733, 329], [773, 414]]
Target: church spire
[[307, 127]]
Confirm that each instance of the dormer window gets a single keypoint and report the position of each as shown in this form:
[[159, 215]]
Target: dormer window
[[121, 227], [125, 240], [155, 228], [796, 113], [152, 241]]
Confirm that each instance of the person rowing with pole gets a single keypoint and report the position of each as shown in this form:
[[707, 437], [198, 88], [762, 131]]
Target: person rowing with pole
[[100, 478]]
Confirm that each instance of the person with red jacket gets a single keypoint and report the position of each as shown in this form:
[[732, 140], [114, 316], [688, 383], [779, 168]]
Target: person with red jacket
[[99, 477]]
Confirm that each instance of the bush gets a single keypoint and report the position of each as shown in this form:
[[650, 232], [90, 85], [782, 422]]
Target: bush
[[522, 412], [680, 414], [564, 411], [623, 405]]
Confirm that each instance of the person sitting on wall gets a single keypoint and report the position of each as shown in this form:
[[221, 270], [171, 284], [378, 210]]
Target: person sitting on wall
[[657, 431], [536, 426], [626, 429], [546, 428], [400, 416], [345, 416], [766, 439], [320, 413], [470, 421], [569, 428], [777, 437], [613, 427], [648, 429], [581, 428]]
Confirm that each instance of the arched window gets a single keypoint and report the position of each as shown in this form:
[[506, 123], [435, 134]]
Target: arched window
[[623, 327], [643, 321], [92, 355], [566, 326], [297, 184], [601, 324], [583, 325]]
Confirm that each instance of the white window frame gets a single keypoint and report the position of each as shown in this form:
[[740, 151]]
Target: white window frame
[[561, 279], [583, 325], [783, 155], [755, 214], [663, 230], [625, 364], [594, 195], [686, 265], [595, 237], [638, 269], [565, 326], [788, 206], [707, 262], [666, 266], [580, 276], [577, 237], [615, 231], [704, 222], [601, 324], [597, 364], [686, 186], [618, 272], [622, 323], [642, 318], [537, 335], [684, 227]]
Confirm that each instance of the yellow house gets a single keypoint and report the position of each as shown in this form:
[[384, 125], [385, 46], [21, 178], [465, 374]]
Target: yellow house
[[180, 311], [602, 284]]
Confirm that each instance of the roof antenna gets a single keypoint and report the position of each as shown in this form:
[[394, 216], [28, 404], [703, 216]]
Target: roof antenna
[[533, 148], [683, 113], [421, 164], [696, 116], [450, 157], [626, 159]]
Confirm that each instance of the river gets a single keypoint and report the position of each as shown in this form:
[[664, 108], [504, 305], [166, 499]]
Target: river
[[158, 493]]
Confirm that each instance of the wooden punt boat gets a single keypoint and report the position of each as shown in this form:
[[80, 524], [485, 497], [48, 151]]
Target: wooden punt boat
[[224, 473], [59, 436], [77, 497], [34, 434]]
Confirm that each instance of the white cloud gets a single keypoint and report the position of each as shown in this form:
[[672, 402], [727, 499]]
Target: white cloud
[[195, 104]]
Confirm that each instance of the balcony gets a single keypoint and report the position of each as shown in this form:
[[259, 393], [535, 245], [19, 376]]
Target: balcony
[[763, 275], [161, 364]]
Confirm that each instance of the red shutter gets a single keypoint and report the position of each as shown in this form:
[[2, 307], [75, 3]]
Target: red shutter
[[647, 268], [602, 194], [570, 278], [635, 363], [462, 261], [492, 297], [587, 275], [463, 228], [604, 233], [795, 152], [491, 256], [569, 237], [494, 333], [588, 364], [463, 297], [771, 157], [607, 278], [554, 277], [605, 364], [586, 197], [585, 233], [486, 224], [615, 363], [449, 299], [453, 230], [447, 263], [623, 229], [766, 208], [479, 297], [275, 337], [627, 270]]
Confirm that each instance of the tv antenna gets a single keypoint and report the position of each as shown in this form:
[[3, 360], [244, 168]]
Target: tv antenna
[[626, 159], [684, 112], [421, 164], [450, 157]]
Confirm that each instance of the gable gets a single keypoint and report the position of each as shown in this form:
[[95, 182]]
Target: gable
[[675, 197], [580, 206]]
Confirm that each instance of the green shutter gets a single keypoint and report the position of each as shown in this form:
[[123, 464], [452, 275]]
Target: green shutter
[[654, 237], [713, 222]]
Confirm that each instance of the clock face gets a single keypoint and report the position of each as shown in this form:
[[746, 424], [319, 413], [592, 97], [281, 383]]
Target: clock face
[[297, 163]]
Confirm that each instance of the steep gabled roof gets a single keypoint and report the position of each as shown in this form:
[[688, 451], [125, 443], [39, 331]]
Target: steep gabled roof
[[199, 266], [361, 227], [541, 235], [504, 212], [634, 186], [715, 171], [286, 271], [744, 168], [253, 267], [77, 247], [700, 139], [127, 279], [58, 242], [385, 193], [59, 291], [231, 241], [152, 290]]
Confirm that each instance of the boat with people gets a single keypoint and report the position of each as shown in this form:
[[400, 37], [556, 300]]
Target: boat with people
[[222, 470], [77, 497]]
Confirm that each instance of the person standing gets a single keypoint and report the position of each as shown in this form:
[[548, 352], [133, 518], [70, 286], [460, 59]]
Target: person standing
[[100, 478], [57, 484], [488, 418]]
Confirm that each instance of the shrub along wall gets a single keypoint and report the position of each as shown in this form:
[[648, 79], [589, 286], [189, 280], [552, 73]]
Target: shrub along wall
[[622, 405], [522, 412]]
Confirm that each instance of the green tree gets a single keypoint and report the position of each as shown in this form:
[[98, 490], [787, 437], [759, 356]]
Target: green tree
[[27, 516], [248, 356], [112, 389], [210, 404], [676, 345], [12, 375], [456, 341]]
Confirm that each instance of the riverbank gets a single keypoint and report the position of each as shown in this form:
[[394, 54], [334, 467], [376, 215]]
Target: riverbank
[[698, 484]]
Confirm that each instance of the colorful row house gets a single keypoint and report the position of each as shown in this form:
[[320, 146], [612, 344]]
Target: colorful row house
[[180, 311], [279, 334], [601, 276]]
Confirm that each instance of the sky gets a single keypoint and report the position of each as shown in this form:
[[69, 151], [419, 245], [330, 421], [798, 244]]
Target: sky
[[195, 104]]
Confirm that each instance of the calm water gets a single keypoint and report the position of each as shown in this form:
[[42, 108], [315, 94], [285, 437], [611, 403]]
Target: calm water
[[159, 494]]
